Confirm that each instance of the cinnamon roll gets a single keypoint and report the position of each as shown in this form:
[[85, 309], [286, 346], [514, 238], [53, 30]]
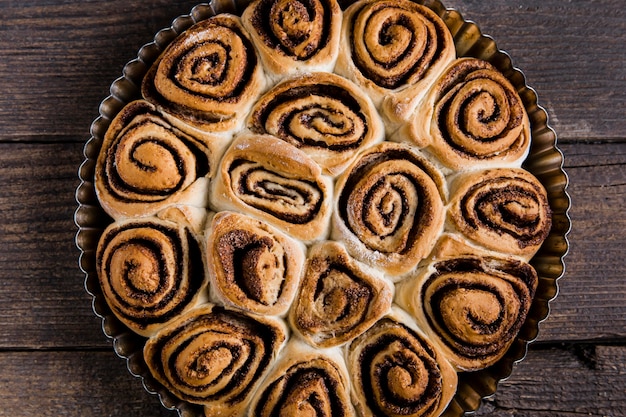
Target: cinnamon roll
[[474, 117], [389, 207], [146, 164], [305, 382], [505, 210], [396, 371], [252, 265], [267, 178], [209, 76], [215, 357], [338, 298], [472, 306], [150, 272], [390, 45], [294, 36], [325, 115]]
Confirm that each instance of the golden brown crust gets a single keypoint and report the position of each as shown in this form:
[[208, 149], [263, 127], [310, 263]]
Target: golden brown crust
[[252, 266], [209, 76], [150, 272], [472, 118], [325, 115], [505, 210], [472, 306], [146, 164], [389, 208], [388, 46], [305, 382], [267, 178], [294, 36], [338, 298], [397, 372], [215, 357]]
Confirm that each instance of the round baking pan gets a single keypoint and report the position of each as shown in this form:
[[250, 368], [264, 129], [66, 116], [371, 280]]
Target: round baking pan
[[545, 161]]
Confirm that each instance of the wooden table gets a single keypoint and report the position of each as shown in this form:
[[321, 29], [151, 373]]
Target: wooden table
[[57, 61]]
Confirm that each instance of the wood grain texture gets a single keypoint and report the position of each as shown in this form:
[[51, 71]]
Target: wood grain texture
[[57, 61]]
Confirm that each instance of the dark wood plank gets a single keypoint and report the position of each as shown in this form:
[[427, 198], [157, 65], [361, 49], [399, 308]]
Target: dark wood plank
[[42, 300], [36, 384], [42, 293], [573, 381], [592, 300], [58, 61]]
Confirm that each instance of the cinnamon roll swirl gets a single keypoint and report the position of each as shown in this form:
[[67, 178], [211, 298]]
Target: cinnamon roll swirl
[[209, 76], [505, 210], [389, 208], [265, 177], [150, 272], [472, 306], [294, 36], [474, 117], [215, 357], [338, 298], [397, 372], [305, 382], [391, 45], [146, 164], [252, 265], [323, 114]]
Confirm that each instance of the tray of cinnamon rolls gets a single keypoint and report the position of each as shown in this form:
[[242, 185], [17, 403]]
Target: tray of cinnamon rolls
[[322, 208]]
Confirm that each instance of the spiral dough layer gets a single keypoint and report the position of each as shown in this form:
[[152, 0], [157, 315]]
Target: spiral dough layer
[[150, 272], [388, 45], [294, 36], [209, 76], [478, 119], [215, 357], [390, 207], [397, 372], [475, 306], [252, 265], [305, 382], [323, 114], [146, 164], [505, 210], [338, 298]]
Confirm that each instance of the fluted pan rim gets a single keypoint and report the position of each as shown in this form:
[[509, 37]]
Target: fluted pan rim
[[545, 161]]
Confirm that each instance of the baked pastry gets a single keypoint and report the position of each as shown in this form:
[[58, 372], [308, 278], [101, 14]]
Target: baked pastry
[[215, 357], [305, 382], [325, 115], [266, 177], [503, 209], [392, 46], [146, 164], [208, 77], [319, 211], [472, 306], [396, 371], [389, 207], [472, 117], [294, 37], [338, 298], [252, 265], [150, 271]]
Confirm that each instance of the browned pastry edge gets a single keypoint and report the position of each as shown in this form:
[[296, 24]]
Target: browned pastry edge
[[325, 115], [294, 36], [252, 265], [472, 307], [150, 272], [338, 297]]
